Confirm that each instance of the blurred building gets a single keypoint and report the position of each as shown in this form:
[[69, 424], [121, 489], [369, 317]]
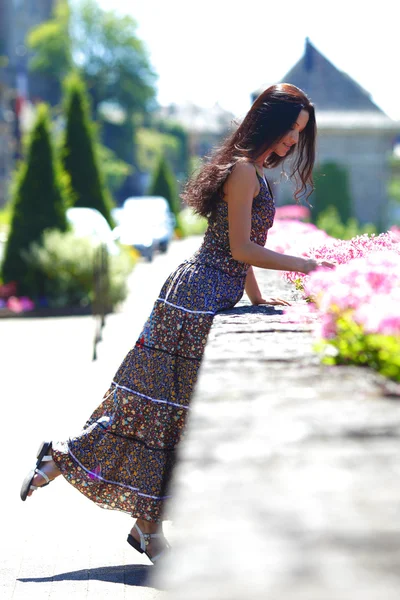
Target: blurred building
[[353, 132], [206, 126], [17, 87]]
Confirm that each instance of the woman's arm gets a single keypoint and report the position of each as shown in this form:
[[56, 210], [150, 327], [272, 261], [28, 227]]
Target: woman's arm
[[254, 294], [239, 190], [251, 287]]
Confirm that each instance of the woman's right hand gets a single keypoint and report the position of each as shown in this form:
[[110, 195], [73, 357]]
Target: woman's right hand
[[311, 265]]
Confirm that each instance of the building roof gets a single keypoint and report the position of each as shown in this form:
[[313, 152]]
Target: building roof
[[328, 88]]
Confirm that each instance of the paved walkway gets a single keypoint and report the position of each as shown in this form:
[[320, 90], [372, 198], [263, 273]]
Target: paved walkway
[[58, 545]]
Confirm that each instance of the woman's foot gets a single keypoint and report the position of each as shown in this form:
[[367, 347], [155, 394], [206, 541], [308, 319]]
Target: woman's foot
[[44, 472], [50, 469], [148, 537]]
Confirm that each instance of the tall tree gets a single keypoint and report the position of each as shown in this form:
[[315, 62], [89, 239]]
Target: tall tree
[[39, 203], [52, 48], [112, 61], [79, 153], [103, 46]]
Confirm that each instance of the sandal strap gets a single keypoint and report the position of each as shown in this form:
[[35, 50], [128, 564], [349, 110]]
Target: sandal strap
[[39, 472], [157, 556], [146, 537], [46, 458], [141, 537]]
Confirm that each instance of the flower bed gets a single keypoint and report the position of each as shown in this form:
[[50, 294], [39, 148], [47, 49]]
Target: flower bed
[[356, 305]]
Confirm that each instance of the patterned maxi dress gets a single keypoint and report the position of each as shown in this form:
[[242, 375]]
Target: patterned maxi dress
[[123, 457]]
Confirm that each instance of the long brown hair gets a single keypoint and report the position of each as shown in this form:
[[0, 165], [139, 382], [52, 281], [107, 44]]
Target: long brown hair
[[271, 116]]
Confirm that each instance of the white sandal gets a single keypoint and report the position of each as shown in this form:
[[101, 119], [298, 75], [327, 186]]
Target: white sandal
[[145, 539], [42, 456]]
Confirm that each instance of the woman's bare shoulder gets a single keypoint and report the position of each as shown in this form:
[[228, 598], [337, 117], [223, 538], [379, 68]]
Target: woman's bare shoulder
[[242, 184], [243, 170]]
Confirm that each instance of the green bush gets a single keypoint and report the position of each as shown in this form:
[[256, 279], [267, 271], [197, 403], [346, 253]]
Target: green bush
[[330, 222], [39, 202], [115, 170], [5, 217], [119, 268], [352, 346], [331, 189], [66, 265], [190, 223], [79, 154], [163, 184]]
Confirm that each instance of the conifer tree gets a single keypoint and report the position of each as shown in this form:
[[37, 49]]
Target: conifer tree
[[39, 203], [79, 154], [163, 184]]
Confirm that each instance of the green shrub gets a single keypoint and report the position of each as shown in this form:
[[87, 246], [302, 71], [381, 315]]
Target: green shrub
[[190, 223], [163, 184], [66, 265], [330, 222], [352, 346], [5, 218], [331, 189], [79, 154], [115, 170], [119, 267], [39, 202]]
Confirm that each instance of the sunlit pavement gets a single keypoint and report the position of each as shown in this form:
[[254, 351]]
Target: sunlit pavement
[[58, 544]]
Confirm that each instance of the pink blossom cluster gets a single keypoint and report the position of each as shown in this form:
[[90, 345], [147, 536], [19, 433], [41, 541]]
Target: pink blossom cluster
[[291, 236], [366, 288], [17, 304], [364, 284], [395, 230], [293, 211], [341, 252]]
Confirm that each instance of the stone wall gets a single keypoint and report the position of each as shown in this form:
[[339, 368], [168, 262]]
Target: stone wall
[[365, 156], [288, 481]]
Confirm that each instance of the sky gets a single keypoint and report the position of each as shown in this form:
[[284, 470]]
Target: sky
[[220, 51]]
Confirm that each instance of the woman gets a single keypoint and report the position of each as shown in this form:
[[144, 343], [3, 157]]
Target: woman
[[124, 456]]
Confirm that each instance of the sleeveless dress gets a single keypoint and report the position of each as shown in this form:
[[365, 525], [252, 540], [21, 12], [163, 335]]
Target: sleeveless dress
[[124, 456]]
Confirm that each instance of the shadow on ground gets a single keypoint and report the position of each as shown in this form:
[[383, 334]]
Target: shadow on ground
[[135, 575]]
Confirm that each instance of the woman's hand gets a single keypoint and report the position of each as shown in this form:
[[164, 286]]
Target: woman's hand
[[311, 265], [272, 301]]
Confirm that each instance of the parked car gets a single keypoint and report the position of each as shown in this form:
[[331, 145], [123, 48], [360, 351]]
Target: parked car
[[90, 223], [146, 223]]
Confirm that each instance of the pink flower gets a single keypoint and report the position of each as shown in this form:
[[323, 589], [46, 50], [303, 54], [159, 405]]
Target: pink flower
[[380, 315], [14, 304], [26, 304], [293, 211], [299, 313]]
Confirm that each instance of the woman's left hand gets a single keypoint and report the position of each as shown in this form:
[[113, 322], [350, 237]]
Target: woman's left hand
[[272, 301]]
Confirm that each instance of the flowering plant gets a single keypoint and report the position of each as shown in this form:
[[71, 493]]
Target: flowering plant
[[356, 305]]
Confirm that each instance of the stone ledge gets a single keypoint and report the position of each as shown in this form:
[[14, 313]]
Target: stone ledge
[[288, 482]]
